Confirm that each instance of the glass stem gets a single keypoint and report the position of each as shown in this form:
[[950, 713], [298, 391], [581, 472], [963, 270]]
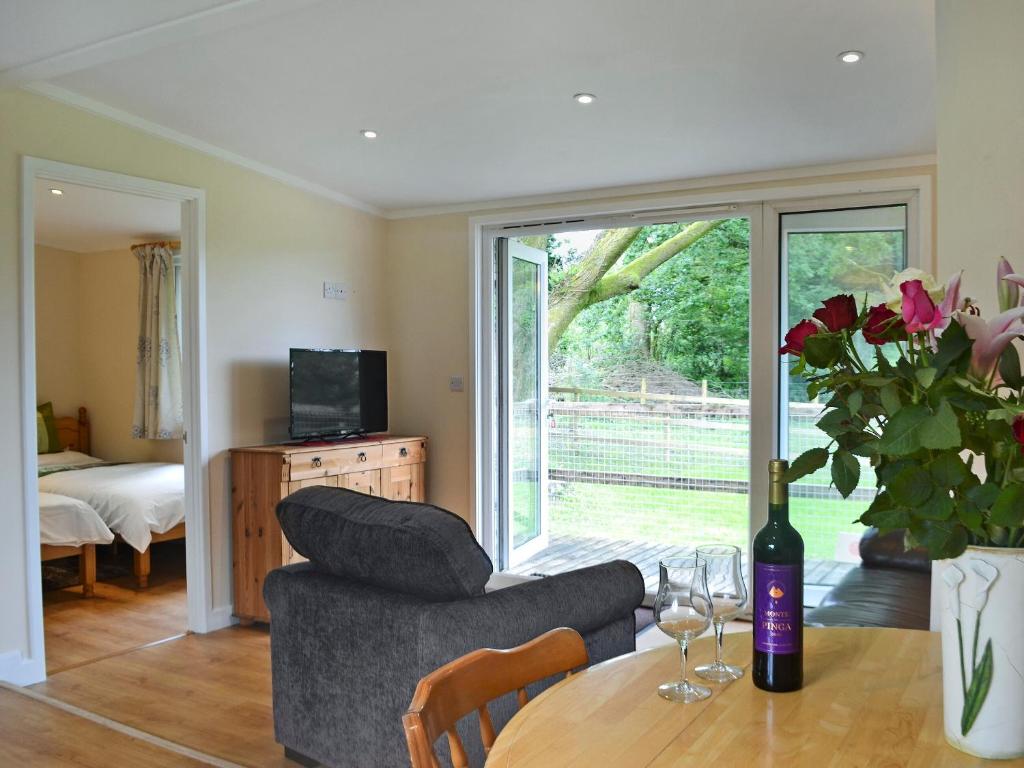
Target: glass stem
[[682, 662], [719, 633]]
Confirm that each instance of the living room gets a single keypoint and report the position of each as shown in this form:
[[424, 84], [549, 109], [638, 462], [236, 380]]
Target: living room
[[436, 205]]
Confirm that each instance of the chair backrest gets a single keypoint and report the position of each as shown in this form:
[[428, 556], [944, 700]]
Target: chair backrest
[[458, 688]]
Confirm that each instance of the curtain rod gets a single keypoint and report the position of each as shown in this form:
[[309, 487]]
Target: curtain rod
[[172, 244]]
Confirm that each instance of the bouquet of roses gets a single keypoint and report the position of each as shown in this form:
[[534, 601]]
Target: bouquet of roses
[[933, 400]]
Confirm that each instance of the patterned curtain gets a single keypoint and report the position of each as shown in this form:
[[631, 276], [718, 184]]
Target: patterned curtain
[[158, 404]]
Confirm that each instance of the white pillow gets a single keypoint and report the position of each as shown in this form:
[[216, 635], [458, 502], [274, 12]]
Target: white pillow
[[67, 459]]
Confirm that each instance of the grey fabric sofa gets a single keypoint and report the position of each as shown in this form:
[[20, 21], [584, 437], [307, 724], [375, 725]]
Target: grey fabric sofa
[[392, 591]]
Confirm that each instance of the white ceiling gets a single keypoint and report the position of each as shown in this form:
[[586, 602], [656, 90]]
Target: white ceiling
[[472, 98], [88, 220]]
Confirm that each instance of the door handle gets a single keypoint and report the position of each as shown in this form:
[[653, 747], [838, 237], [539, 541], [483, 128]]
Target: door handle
[[362, 456], [403, 452]]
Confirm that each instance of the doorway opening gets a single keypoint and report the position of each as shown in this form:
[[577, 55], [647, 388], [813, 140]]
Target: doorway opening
[[114, 425], [625, 431]]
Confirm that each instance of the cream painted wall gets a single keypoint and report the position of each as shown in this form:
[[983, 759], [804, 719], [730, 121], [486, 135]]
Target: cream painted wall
[[428, 262], [980, 132], [107, 343], [269, 248], [58, 376]]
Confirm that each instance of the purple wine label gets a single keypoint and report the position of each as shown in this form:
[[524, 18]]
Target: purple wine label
[[777, 610]]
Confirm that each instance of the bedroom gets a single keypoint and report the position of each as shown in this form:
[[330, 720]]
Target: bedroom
[[111, 494]]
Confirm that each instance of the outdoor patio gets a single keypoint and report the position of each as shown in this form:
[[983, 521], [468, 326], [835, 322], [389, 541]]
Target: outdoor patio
[[566, 553]]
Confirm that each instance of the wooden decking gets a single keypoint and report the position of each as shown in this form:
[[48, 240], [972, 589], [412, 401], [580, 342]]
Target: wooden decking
[[566, 553]]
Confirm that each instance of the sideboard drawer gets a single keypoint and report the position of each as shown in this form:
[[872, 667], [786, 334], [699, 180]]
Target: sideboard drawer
[[406, 452], [335, 461]]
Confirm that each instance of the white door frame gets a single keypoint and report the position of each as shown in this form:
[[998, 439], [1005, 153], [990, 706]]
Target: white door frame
[[193, 253], [764, 309]]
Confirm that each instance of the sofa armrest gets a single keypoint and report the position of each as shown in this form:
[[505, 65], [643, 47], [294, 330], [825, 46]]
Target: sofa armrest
[[585, 600]]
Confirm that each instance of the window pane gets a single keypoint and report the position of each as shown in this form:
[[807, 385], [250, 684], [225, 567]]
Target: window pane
[[824, 253]]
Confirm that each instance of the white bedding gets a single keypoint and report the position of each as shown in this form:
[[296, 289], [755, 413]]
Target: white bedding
[[68, 522], [134, 500]]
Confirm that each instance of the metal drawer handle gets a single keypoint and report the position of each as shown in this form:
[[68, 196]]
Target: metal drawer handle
[[362, 456], [316, 461], [403, 451]]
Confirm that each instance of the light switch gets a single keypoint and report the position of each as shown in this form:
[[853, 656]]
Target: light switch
[[335, 291], [455, 384]]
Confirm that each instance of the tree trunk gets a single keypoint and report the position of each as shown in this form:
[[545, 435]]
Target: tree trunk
[[638, 328], [592, 282]]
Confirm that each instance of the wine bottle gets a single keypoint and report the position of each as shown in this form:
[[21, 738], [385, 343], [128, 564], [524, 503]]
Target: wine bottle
[[778, 554]]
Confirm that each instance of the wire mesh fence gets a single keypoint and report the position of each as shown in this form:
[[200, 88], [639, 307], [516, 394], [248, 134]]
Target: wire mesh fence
[[675, 468]]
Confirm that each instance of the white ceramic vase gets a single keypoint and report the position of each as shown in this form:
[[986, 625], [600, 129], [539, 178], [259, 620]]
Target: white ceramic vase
[[983, 651]]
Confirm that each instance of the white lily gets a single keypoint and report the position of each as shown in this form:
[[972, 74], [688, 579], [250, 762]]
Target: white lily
[[953, 577], [988, 574]]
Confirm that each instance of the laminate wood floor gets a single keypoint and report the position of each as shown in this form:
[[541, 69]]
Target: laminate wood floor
[[33, 733], [208, 692], [120, 617]]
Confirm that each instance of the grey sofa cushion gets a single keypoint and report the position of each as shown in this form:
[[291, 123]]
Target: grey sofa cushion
[[400, 546]]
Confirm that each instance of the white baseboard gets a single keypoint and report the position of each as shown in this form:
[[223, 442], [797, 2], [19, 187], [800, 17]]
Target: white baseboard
[[220, 617], [16, 669]]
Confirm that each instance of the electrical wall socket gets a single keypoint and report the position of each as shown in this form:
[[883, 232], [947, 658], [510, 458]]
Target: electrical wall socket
[[455, 384], [336, 291]]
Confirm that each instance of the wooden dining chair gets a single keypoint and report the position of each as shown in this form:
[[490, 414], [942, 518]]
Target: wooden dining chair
[[469, 682]]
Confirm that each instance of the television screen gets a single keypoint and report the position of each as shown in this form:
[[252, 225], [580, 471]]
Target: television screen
[[336, 392]]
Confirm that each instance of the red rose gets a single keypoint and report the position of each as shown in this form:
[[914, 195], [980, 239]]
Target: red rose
[[838, 313], [796, 336], [882, 325], [1018, 432]]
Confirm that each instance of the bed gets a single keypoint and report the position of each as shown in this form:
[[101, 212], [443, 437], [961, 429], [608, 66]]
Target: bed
[[141, 503]]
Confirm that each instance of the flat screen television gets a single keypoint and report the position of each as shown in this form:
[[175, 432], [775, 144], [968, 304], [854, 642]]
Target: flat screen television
[[338, 392]]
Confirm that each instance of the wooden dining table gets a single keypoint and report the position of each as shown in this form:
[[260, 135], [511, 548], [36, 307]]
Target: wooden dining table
[[871, 697]]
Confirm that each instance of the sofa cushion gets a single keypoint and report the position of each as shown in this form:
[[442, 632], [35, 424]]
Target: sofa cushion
[[876, 597], [888, 551], [401, 546]]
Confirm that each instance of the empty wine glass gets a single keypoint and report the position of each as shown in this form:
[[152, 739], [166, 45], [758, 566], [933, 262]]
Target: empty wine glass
[[729, 597], [683, 610]]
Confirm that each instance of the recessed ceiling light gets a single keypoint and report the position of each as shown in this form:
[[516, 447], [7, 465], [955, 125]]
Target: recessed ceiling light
[[57, 192], [585, 98], [368, 134], [851, 57]]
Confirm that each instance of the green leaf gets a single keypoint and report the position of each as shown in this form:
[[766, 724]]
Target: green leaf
[[943, 538], [970, 516], [884, 516], [982, 496], [912, 487], [949, 470], [845, 472], [977, 692], [941, 430], [822, 350], [876, 381], [901, 435], [855, 401], [1008, 508], [890, 397], [938, 507], [806, 463], [953, 344], [925, 376], [836, 422], [1009, 367]]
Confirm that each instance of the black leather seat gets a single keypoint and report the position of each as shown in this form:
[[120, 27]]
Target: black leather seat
[[891, 588]]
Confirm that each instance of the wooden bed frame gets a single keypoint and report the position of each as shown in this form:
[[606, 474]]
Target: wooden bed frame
[[73, 434]]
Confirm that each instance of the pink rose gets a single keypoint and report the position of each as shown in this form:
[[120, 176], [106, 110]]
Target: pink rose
[[919, 311]]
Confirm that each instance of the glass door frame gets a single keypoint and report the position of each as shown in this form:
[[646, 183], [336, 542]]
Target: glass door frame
[[762, 206]]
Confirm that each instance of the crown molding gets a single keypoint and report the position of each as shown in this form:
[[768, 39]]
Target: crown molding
[[138, 41], [64, 96], [704, 182]]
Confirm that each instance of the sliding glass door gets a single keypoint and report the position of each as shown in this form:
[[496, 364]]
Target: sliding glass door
[[523, 480]]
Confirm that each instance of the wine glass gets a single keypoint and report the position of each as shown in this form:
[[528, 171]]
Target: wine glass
[[729, 597], [683, 610]]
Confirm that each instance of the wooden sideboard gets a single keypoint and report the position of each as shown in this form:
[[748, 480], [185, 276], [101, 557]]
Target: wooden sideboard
[[391, 467]]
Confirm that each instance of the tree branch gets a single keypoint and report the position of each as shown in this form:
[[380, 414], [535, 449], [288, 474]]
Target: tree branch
[[630, 276]]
